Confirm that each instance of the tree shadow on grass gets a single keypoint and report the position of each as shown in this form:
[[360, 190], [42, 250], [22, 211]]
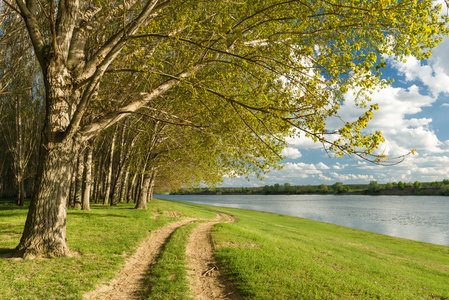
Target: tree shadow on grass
[[6, 253], [10, 204]]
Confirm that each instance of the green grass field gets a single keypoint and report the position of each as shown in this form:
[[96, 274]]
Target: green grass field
[[268, 256]]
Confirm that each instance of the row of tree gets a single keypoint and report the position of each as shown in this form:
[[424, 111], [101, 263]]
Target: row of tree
[[431, 188], [149, 91]]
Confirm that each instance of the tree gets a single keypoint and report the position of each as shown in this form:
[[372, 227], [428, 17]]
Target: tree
[[338, 187], [288, 188], [88, 179], [310, 189], [373, 187], [323, 189], [20, 106], [268, 66]]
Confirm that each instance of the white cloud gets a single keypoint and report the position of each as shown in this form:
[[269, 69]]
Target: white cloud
[[324, 178], [339, 166], [291, 153], [433, 75], [301, 167], [322, 166], [402, 133], [302, 142], [351, 177]]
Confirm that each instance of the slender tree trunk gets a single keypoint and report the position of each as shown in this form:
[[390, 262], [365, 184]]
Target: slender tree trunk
[[88, 184], [72, 192], [79, 181], [125, 184], [21, 190], [109, 177], [117, 187], [19, 154], [151, 189], [122, 179], [119, 179], [98, 182], [131, 189]]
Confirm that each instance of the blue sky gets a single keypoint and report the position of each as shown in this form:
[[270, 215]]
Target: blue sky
[[413, 113]]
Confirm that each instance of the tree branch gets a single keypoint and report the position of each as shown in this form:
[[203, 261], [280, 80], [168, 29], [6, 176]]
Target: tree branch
[[33, 30], [90, 130]]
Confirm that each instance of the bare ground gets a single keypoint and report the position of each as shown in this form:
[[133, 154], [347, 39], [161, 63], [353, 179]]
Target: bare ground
[[205, 278], [130, 279]]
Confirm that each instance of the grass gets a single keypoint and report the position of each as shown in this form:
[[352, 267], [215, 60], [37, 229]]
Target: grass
[[268, 256], [101, 240], [168, 278], [272, 256]]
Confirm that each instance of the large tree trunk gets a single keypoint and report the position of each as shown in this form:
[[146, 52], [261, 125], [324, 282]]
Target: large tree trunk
[[45, 227], [141, 202], [146, 193]]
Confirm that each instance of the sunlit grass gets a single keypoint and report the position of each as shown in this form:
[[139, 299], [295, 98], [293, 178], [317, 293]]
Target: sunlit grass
[[272, 256], [100, 240], [268, 256], [168, 278]]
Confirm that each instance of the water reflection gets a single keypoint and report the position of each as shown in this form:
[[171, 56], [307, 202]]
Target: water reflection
[[421, 218]]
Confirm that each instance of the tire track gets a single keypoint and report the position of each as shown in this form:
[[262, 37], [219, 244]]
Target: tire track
[[130, 280], [206, 280]]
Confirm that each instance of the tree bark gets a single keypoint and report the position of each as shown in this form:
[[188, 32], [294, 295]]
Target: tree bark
[[45, 227], [109, 177], [19, 157], [131, 189], [141, 202], [79, 181], [88, 181], [151, 189], [116, 189], [72, 192], [125, 184]]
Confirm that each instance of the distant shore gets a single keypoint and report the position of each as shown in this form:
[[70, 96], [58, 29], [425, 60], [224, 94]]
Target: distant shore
[[373, 188]]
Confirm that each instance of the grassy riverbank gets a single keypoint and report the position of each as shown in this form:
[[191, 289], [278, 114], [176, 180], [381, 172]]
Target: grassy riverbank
[[268, 256]]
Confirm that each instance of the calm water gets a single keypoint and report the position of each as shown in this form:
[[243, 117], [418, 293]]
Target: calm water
[[423, 218]]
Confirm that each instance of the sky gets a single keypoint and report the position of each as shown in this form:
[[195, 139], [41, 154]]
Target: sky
[[413, 114]]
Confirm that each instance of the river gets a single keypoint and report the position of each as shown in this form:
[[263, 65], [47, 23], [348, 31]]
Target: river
[[419, 218]]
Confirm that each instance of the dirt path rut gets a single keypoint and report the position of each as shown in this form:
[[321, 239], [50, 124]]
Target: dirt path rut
[[130, 280], [206, 280]]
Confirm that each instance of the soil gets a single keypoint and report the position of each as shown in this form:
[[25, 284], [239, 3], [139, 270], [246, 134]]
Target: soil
[[206, 280]]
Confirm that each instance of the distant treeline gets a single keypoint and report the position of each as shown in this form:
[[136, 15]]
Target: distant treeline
[[373, 188]]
